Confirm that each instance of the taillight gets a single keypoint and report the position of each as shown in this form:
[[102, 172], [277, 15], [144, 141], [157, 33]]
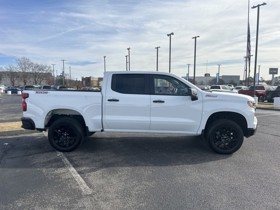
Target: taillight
[[23, 103]]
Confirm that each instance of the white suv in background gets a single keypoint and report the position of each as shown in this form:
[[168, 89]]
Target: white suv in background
[[222, 88]]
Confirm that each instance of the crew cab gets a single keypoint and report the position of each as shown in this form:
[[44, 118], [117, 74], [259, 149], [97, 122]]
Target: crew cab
[[149, 102]]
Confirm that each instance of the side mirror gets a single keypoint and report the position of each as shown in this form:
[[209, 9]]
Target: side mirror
[[193, 94]]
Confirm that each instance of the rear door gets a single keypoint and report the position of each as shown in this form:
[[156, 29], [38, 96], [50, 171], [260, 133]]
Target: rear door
[[127, 103]]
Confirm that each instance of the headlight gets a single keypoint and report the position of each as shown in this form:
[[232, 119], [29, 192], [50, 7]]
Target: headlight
[[251, 104]]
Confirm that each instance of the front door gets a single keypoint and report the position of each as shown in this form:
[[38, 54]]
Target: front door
[[172, 109]]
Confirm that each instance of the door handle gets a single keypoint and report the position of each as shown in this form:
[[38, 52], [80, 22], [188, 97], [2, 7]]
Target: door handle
[[158, 101], [113, 100]]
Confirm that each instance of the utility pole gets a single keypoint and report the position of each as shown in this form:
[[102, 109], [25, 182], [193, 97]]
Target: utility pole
[[53, 74], [194, 63], [169, 35], [157, 58], [63, 77], [257, 39]]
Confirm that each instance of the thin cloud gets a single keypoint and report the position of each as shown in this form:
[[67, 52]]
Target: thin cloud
[[83, 33]]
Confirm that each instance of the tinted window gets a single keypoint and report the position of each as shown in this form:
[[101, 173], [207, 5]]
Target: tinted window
[[215, 87], [129, 83], [166, 85]]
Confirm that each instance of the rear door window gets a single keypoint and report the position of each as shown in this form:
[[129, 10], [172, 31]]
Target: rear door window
[[129, 83]]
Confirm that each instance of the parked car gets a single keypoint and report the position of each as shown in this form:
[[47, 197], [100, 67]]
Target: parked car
[[130, 102], [260, 92], [241, 87], [222, 88], [272, 93], [47, 87], [28, 87], [2, 88], [13, 90]]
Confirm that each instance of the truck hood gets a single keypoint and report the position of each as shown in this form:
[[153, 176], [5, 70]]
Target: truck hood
[[226, 96]]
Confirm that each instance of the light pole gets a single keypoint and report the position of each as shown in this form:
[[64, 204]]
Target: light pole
[[70, 83], [218, 76], [128, 58], [53, 74], [104, 63], [188, 75], [170, 50], [126, 62], [257, 39], [194, 62], [259, 74], [157, 58], [63, 78]]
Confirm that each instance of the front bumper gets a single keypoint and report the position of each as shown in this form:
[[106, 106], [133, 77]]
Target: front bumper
[[251, 131]]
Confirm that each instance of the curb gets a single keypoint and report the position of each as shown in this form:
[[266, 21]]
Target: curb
[[12, 128], [16, 132]]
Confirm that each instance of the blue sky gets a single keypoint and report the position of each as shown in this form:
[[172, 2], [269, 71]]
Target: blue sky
[[82, 32]]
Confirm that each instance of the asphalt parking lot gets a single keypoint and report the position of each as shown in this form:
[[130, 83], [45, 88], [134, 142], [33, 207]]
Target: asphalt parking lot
[[128, 171]]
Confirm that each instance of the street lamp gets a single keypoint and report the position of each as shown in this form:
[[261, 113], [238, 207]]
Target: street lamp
[[257, 38], [188, 74], [126, 62], [194, 63], [170, 50], [218, 76], [128, 58], [70, 82], [53, 74], [63, 77], [104, 63], [157, 58]]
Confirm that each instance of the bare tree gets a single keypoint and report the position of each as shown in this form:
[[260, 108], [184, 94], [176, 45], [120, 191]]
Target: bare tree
[[24, 65], [40, 72], [12, 74]]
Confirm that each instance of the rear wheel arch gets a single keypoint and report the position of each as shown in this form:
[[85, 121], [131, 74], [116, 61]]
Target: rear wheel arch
[[56, 114]]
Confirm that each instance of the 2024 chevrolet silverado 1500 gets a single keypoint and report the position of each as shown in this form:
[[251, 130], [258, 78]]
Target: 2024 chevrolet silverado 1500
[[141, 102]]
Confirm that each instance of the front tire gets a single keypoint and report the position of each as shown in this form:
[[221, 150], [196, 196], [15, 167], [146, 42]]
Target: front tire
[[225, 136], [66, 134]]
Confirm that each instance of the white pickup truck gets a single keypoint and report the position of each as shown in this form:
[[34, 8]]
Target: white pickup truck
[[145, 102]]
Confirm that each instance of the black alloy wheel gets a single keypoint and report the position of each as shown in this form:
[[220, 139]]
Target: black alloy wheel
[[66, 134], [225, 136]]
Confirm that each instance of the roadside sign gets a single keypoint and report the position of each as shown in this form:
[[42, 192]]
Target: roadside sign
[[273, 70]]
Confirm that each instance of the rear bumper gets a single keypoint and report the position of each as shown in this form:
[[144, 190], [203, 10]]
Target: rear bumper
[[27, 123]]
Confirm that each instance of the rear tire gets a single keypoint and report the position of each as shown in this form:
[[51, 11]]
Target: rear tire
[[66, 134], [224, 136]]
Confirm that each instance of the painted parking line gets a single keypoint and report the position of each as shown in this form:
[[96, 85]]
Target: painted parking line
[[82, 184]]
